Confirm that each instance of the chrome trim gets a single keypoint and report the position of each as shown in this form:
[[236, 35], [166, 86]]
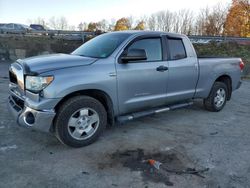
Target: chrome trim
[[13, 90], [17, 70], [130, 117], [162, 110], [112, 74]]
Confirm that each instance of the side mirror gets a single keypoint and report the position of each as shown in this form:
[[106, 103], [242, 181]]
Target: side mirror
[[134, 55]]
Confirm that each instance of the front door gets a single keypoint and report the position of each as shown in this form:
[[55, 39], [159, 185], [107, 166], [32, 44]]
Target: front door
[[142, 84]]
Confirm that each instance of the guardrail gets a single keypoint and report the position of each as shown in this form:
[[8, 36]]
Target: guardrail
[[57, 34], [61, 32], [80, 35], [207, 39], [218, 37]]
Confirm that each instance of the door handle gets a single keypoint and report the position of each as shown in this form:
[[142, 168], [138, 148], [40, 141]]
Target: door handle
[[161, 68]]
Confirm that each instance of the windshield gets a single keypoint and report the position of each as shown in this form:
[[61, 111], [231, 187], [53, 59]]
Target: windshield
[[101, 46]]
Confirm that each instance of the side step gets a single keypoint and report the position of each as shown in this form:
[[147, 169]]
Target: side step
[[132, 116]]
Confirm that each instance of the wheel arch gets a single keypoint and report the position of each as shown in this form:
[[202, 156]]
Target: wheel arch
[[99, 95], [228, 81]]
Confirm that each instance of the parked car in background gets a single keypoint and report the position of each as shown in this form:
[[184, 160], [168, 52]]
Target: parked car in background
[[37, 27], [41, 30], [15, 28]]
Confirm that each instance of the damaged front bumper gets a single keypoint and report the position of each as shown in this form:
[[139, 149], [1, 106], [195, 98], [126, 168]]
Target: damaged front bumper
[[28, 117], [28, 109]]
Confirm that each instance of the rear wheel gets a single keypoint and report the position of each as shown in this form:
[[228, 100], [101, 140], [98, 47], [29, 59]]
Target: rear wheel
[[217, 97], [80, 121]]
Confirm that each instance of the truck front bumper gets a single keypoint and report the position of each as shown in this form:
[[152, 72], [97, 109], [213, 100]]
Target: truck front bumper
[[30, 118]]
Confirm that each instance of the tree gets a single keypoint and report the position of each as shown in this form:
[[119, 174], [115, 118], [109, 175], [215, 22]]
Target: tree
[[53, 23], [185, 21], [211, 21], [238, 19], [92, 27], [160, 21], [122, 24], [182, 22], [140, 26], [151, 22], [71, 27], [83, 26], [201, 21], [60, 23], [39, 20], [103, 25], [111, 25], [131, 21], [179, 22], [216, 20]]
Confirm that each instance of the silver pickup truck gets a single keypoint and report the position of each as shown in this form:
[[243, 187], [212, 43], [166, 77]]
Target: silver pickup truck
[[116, 77]]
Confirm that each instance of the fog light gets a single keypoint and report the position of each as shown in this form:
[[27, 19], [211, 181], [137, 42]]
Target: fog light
[[29, 118]]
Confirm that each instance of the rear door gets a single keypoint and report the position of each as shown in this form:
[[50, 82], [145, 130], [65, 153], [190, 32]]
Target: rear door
[[141, 84], [183, 70]]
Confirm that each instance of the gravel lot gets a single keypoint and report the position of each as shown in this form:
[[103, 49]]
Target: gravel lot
[[181, 139]]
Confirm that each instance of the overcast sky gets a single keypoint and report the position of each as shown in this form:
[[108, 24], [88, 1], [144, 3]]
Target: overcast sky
[[76, 11]]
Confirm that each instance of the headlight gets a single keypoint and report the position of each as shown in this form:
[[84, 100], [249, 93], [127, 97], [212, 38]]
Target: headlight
[[37, 83]]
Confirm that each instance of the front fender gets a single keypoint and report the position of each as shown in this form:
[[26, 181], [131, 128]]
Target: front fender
[[92, 77]]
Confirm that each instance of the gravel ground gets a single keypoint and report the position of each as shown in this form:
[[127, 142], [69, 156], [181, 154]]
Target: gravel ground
[[189, 138]]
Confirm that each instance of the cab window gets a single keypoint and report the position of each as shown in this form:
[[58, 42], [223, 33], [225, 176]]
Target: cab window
[[152, 47]]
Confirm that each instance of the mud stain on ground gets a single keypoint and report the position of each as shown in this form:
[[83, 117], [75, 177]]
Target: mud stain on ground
[[136, 160]]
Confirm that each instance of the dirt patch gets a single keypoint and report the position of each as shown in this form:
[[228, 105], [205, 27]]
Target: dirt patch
[[172, 163]]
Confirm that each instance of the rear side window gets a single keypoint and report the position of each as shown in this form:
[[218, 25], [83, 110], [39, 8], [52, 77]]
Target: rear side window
[[9, 26], [177, 49], [18, 26], [152, 46]]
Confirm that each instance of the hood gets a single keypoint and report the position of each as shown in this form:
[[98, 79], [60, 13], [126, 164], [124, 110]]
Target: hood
[[44, 63]]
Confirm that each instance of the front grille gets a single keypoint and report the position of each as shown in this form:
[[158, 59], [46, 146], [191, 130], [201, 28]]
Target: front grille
[[18, 101], [17, 108]]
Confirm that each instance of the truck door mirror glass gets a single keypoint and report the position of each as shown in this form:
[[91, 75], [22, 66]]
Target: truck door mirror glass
[[134, 55]]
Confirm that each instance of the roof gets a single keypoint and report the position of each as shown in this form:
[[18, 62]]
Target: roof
[[143, 32]]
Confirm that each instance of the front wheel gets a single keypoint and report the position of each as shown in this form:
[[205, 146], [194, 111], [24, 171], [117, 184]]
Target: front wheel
[[80, 121], [217, 97]]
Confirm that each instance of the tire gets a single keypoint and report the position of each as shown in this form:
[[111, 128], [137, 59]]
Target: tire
[[217, 98], [80, 121]]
